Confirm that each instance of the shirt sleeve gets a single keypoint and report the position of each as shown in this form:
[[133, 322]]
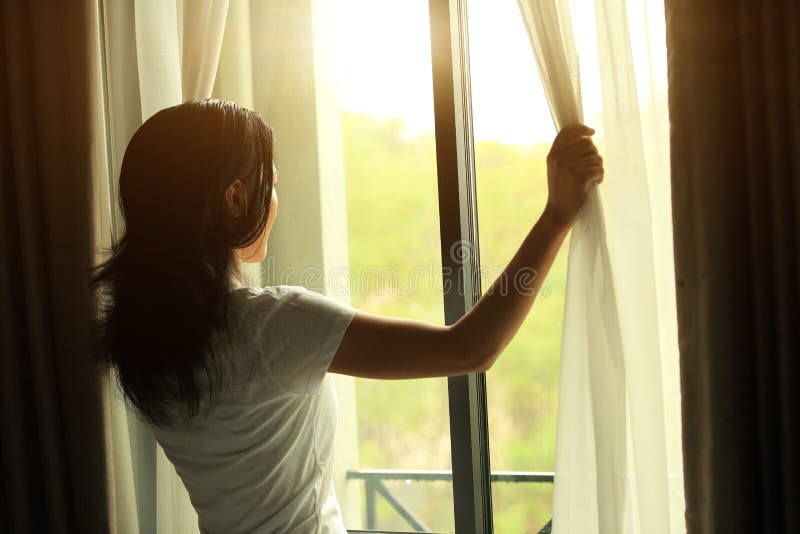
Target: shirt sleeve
[[298, 332]]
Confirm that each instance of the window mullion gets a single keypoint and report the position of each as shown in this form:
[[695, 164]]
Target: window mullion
[[460, 258]]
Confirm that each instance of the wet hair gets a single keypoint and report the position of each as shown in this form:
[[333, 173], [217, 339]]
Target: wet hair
[[163, 291]]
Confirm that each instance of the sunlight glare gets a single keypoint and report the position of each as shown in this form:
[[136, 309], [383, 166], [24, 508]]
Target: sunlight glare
[[384, 68]]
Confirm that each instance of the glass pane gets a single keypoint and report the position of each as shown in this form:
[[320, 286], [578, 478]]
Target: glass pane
[[384, 81], [513, 131]]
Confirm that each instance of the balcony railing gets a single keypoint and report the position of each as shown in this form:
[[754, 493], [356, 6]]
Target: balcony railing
[[374, 486]]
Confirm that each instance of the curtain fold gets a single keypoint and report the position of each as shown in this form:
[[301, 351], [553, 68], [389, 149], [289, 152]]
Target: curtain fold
[[158, 54], [618, 461], [52, 395], [203, 27]]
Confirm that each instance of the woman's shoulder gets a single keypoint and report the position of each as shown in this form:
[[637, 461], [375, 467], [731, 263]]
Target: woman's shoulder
[[292, 303], [252, 295], [261, 302]]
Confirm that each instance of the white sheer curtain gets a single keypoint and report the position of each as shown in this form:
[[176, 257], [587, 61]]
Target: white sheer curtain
[[618, 444], [158, 53]]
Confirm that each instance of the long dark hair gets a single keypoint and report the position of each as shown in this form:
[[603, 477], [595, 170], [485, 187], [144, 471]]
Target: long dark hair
[[164, 290]]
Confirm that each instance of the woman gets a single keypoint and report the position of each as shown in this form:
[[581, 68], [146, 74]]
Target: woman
[[234, 379]]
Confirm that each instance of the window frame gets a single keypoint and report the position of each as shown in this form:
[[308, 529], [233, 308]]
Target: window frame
[[460, 252]]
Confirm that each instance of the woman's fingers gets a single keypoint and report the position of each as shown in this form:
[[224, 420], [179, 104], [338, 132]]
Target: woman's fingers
[[570, 155], [589, 160], [574, 166], [580, 147], [590, 169], [568, 135]]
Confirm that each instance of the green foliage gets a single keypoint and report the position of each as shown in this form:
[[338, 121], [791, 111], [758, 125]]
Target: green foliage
[[392, 210]]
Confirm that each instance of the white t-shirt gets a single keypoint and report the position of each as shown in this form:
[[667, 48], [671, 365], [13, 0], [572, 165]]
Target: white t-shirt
[[262, 461]]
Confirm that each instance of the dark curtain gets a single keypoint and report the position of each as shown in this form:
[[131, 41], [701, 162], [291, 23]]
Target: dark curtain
[[51, 397], [734, 96]]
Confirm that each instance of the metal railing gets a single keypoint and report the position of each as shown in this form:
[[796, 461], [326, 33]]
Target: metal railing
[[374, 486]]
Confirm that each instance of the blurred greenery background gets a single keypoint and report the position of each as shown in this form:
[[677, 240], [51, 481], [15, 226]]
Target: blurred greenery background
[[392, 211]]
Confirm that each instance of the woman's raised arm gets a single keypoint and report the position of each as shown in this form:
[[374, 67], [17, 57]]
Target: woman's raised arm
[[376, 346]]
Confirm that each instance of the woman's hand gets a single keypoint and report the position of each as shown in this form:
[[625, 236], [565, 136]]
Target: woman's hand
[[573, 167]]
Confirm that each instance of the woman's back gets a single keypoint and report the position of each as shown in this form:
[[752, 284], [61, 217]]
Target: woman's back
[[261, 460]]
